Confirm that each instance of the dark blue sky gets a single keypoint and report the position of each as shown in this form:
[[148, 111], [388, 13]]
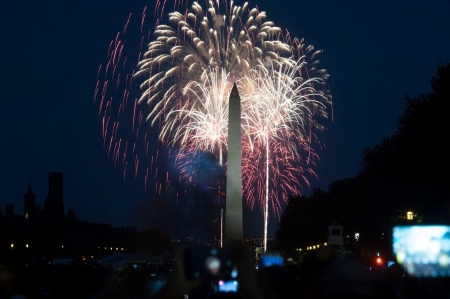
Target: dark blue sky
[[375, 51]]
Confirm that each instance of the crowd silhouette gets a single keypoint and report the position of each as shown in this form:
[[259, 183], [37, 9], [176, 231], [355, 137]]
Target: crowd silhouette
[[319, 275]]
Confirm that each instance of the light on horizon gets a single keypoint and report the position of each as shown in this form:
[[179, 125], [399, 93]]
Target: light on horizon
[[409, 215]]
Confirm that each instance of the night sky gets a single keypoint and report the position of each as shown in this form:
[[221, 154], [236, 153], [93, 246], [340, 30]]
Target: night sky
[[375, 51]]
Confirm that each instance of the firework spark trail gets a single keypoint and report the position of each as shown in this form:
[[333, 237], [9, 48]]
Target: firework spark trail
[[275, 104], [205, 123], [272, 104], [193, 57], [199, 41]]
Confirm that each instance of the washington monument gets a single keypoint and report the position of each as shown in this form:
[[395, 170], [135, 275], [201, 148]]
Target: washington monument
[[233, 220]]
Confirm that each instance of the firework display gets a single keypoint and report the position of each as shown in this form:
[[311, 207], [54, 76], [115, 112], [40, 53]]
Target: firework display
[[176, 87]]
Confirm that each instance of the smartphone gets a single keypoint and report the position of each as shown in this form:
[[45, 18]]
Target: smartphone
[[423, 250], [269, 259], [214, 264], [230, 286]]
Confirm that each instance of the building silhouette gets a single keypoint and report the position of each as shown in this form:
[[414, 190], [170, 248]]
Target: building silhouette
[[9, 210], [54, 203], [29, 203]]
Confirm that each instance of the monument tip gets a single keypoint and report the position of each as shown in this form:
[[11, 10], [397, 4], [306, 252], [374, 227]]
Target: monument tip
[[234, 91]]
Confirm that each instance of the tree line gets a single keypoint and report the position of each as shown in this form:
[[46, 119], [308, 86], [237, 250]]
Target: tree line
[[407, 171]]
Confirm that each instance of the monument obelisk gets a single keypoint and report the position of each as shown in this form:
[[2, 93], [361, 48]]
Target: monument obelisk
[[233, 208]]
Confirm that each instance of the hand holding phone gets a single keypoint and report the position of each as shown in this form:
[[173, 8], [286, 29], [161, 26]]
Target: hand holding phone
[[213, 264]]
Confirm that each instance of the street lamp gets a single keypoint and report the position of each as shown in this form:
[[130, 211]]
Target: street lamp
[[409, 215]]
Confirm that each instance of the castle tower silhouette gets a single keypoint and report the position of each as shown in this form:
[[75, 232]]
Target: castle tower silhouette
[[54, 203], [29, 204]]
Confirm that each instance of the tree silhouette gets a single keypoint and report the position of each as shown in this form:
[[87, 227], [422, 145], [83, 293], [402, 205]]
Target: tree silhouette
[[405, 172], [409, 168]]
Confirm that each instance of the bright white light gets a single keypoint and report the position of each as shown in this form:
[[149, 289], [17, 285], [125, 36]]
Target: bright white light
[[409, 215]]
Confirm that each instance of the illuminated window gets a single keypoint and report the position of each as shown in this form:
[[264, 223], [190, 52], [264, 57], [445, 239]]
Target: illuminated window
[[409, 215], [325, 244], [26, 215]]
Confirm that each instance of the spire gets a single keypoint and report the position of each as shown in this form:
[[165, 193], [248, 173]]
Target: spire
[[30, 190], [234, 91]]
